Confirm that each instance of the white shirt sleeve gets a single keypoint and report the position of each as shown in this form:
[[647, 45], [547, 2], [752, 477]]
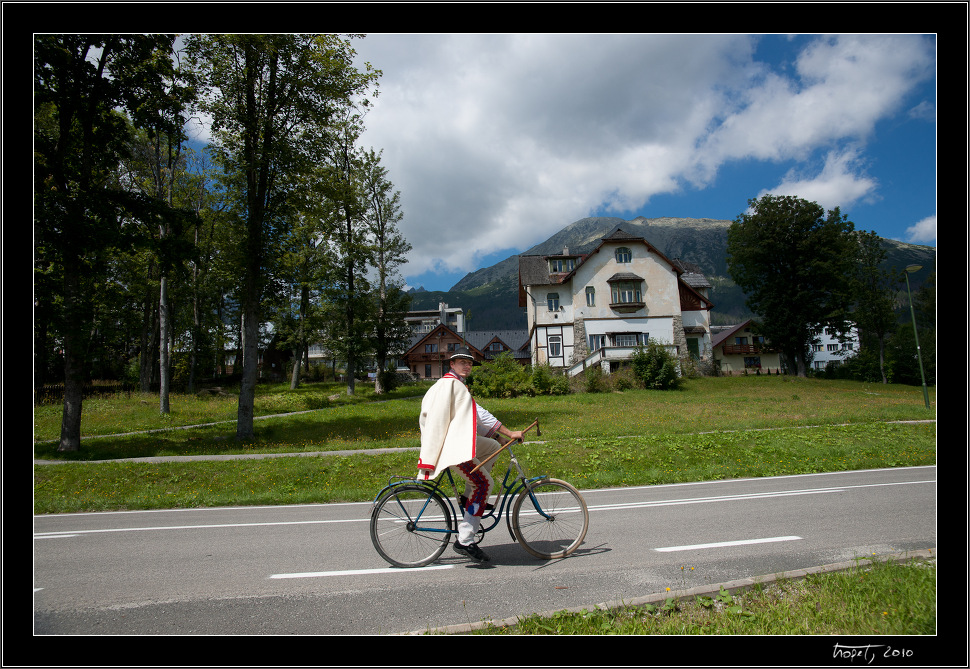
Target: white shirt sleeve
[[488, 424]]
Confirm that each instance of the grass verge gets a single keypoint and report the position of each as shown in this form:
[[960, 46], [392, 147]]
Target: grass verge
[[587, 463], [881, 597]]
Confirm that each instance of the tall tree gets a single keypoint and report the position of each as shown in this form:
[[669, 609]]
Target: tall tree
[[875, 291], [795, 263], [391, 331], [304, 269], [272, 100], [80, 83], [158, 170], [351, 250]]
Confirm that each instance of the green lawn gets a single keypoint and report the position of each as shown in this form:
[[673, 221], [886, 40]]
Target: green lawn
[[710, 429]]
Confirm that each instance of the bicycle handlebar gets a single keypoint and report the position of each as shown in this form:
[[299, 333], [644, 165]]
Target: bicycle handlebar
[[535, 424]]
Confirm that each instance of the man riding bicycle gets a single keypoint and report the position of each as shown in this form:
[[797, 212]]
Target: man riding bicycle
[[457, 432]]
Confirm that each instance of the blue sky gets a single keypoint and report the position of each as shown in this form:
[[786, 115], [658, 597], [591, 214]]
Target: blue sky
[[497, 141]]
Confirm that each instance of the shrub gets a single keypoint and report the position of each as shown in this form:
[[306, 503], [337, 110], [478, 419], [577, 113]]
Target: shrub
[[502, 377], [547, 382], [593, 381], [655, 367]]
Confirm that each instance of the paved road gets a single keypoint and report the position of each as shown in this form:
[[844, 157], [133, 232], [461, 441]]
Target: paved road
[[311, 569]]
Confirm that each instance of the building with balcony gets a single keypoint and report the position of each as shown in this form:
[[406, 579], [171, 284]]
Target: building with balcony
[[739, 349], [595, 309], [427, 357], [426, 320]]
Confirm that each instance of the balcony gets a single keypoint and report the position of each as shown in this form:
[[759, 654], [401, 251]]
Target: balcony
[[746, 349], [627, 307]]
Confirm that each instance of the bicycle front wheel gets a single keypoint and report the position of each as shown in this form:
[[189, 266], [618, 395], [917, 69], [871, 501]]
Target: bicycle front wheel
[[550, 518], [411, 526]]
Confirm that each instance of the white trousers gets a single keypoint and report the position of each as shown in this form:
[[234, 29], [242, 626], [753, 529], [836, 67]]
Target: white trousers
[[469, 524]]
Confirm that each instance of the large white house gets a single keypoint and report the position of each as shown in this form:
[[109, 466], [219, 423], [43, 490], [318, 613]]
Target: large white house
[[595, 309]]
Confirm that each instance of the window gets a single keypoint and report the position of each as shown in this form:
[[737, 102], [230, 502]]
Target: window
[[597, 342], [552, 301], [561, 265], [590, 296], [626, 340], [430, 348], [624, 255], [630, 338], [626, 291], [555, 346], [496, 346]]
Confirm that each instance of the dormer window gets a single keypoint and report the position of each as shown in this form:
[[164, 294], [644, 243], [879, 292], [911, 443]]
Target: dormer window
[[561, 265], [624, 255], [626, 292]]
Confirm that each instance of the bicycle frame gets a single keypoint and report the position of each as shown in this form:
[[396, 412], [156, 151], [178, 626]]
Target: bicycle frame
[[509, 489]]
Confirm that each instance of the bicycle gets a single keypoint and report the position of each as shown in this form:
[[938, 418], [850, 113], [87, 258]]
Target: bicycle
[[412, 521]]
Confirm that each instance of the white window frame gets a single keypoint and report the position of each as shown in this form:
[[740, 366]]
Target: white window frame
[[554, 346]]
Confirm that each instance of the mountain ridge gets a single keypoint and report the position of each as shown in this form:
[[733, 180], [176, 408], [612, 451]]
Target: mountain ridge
[[490, 294]]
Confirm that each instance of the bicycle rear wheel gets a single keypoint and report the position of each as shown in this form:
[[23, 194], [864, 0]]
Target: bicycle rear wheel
[[410, 526], [550, 518]]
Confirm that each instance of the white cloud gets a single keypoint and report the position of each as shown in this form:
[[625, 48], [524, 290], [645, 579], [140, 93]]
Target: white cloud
[[497, 141], [842, 182], [841, 88], [923, 232]]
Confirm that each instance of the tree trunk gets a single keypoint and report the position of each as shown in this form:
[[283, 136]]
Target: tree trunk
[[295, 374], [245, 430], [882, 361], [300, 337], [163, 346], [74, 350]]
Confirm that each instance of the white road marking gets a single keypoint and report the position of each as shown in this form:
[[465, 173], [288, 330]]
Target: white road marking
[[722, 544], [358, 572], [49, 535], [592, 507]]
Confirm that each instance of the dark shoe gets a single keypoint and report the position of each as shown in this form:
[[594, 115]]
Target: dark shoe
[[464, 503], [471, 551]]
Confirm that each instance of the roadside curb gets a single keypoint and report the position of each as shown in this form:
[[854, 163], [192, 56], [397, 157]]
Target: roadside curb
[[689, 593]]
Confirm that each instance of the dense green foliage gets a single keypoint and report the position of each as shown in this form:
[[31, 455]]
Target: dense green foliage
[[655, 367], [794, 262], [506, 377], [152, 260]]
